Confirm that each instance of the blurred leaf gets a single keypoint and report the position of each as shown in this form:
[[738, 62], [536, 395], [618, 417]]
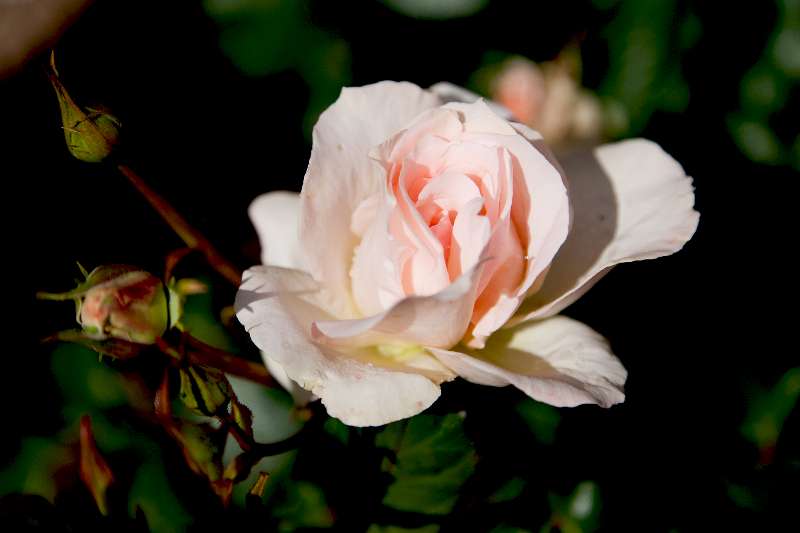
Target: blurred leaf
[[786, 51], [32, 472], [508, 491], [152, 492], [746, 497], [644, 72], [86, 381], [542, 419], [769, 409], [439, 9], [375, 528], [433, 459], [303, 505], [336, 429], [264, 37], [200, 319], [578, 513], [756, 140], [763, 91], [509, 529]]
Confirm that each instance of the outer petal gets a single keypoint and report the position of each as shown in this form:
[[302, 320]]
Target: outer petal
[[558, 361], [631, 201], [341, 175], [439, 320], [277, 306], [276, 217]]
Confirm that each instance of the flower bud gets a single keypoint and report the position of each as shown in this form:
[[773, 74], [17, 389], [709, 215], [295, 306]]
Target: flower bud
[[120, 301], [90, 134]]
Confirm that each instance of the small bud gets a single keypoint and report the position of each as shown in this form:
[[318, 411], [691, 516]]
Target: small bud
[[95, 472], [90, 134], [120, 301]]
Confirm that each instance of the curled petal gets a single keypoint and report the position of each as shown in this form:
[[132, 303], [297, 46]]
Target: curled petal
[[558, 361], [277, 306], [631, 201], [438, 320]]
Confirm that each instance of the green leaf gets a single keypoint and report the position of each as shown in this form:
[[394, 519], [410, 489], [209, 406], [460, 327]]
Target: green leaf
[[577, 513], [510, 490], [33, 470], [433, 459], [375, 528], [755, 139], [204, 390], [303, 506], [152, 493], [541, 419], [769, 409]]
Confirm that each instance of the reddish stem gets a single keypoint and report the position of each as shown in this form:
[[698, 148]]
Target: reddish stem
[[190, 235]]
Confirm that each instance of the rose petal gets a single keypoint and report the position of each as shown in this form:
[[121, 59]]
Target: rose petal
[[437, 320], [277, 306], [631, 201], [300, 395], [276, 217], [540, 209], [449, 92], [559, 361], [340, 174]]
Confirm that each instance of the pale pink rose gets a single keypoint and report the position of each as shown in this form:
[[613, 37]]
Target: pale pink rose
[[549, 98], [422, 229]]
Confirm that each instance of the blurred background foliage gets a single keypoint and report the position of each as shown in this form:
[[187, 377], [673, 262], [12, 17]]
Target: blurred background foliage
[[218, 99]]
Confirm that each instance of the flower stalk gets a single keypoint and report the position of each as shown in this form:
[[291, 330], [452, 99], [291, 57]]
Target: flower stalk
[[188, 234]]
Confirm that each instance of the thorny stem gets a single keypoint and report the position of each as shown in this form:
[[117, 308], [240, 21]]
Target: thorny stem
[[190, 235]]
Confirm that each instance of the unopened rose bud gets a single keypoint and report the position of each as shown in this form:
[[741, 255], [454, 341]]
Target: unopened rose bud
[[90, 134], [120, 301]]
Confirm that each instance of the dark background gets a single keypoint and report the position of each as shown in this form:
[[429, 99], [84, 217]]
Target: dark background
[[695, 331]]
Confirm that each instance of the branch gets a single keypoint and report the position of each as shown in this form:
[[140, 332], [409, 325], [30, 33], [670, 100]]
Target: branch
[[190, 235]]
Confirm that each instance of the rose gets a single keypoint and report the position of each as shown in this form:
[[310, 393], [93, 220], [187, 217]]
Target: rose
[[422, 229]]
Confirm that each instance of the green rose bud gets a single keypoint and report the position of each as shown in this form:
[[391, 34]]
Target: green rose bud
[[120, 301], [90, 134]]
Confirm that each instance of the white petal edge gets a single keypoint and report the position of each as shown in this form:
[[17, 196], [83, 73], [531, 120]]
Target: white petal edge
[[276, 306], [631, 201], [558, 361], [276, 218]]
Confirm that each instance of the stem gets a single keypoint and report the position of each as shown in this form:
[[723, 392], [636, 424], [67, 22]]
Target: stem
[[201, 353], [190, 235]]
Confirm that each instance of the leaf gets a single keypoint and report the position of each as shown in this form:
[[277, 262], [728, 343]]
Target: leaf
[[432, 460], [33, 470], [541, 419], [303, 506], [769, 409], [95, 472], [152, 493], [578, 513], [375, 528], [509, 491], [242, 416], [203, 389]]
